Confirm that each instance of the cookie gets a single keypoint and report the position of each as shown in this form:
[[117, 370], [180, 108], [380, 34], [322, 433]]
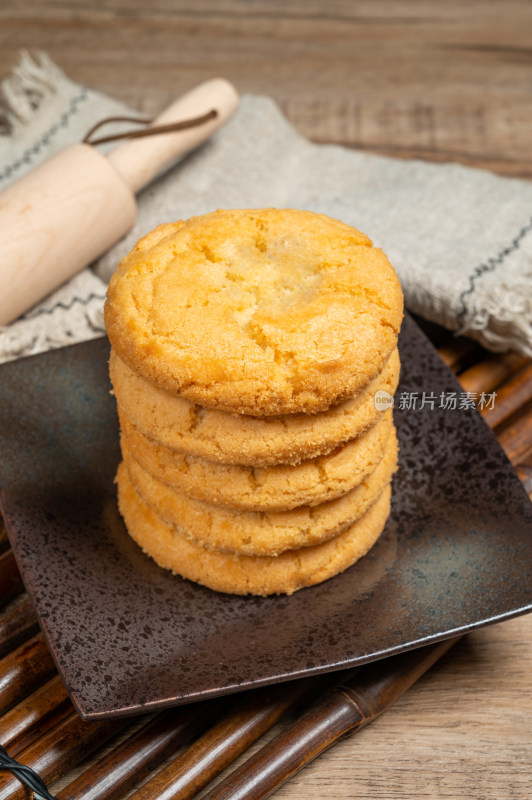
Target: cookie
[[283, 574], [239, 439], [260, 312], [277, 488], [252, 533]]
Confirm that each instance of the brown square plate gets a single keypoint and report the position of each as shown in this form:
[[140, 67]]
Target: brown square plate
[[129, 637]]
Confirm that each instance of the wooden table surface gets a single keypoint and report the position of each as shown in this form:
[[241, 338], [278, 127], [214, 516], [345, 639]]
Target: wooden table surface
[[441, 81]]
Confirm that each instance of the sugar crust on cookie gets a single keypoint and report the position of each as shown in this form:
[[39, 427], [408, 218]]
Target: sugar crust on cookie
[[283, 574], [242, 439], [227, 530], [277, 488], [261, 312]]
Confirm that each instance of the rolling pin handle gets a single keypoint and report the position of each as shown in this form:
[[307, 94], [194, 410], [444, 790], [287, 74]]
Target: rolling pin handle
[[75, 206], [138, 161]]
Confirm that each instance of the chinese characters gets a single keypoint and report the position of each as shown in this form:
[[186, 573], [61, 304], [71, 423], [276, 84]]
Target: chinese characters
[[449, 401]]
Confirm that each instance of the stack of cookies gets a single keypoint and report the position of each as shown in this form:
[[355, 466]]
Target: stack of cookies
[[247, 349]]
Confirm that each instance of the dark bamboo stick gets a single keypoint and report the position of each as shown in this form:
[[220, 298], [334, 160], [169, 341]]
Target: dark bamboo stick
[[4, 539], [10, 580], [491, 372], [221, 745], [438, 335], [338, 712], [524, 473], [189, 773], [33, 717], [334, 716], [511, 397], [59, 750], [460, 353], [128, 769], [263, 774], [128, 763], [516, 439], [23, 670], [17, 623]]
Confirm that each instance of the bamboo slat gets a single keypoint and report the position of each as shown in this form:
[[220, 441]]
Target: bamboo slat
[[42, 730], [23, 670], [4, 541], [34, 716], [459, 353], [337, 713], [129, 762], [222, 744], [513, 396], [491, 372], [59, 750], [10, 580], [17, 623], [516, 439]]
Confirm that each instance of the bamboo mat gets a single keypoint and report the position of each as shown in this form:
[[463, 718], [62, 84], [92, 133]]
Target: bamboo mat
[[174, 754]]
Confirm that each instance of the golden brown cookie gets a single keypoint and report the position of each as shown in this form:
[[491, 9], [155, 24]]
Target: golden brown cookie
[[282, 574], [239, 439], [260, 312], [278, 488], [252, 533]]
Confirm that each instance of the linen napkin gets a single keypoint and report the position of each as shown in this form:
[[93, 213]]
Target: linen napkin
[[459, 238]]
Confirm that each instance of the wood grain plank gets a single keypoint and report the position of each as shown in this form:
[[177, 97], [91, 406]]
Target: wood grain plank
[[439, 81], [457, 733]]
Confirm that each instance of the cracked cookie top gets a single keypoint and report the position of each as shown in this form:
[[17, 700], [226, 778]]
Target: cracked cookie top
[[256, 311]]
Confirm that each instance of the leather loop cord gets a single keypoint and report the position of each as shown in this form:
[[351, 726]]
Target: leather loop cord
[[193, 122]]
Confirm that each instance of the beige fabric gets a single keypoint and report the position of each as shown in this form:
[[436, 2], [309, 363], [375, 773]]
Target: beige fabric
[[460, 239]]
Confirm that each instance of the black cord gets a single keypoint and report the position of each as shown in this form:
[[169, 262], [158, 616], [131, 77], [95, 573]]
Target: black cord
[[25, 775]]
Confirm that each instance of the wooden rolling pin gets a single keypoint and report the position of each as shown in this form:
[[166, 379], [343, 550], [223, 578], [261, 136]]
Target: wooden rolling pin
[[72, 208]]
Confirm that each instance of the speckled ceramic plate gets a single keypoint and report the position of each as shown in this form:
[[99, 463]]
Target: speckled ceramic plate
[[127, 636]]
